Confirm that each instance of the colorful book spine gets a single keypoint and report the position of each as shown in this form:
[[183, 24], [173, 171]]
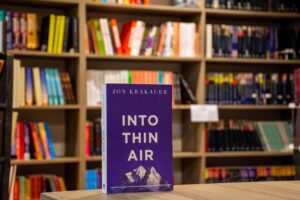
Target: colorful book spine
[[29, 86], [50, 141]]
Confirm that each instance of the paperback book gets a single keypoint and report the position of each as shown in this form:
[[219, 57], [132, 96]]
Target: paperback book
[[137, 138]]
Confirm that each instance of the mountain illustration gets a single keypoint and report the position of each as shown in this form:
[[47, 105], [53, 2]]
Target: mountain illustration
[[143, 180]]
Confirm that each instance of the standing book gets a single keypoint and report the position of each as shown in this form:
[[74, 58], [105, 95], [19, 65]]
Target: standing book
[[137, 138]]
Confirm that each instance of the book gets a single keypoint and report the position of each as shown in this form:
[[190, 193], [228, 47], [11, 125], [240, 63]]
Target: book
[[270, 5], [93, 178], [146, 153], [249, 88], [97, 77], [140, 38], [32, 31], [2, 31], [30, 187], [37, 86], [249, 174], [32, 141], [250, 42], [51, 33]]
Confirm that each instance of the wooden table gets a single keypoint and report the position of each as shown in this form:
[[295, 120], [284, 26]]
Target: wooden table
[[228, 191]]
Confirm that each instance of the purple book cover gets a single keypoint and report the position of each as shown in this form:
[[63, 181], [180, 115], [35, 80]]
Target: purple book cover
[[137, 138]]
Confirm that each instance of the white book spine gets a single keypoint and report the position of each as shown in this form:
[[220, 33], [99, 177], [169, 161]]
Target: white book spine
[[105, 35], [187, 39], [138, 38], [104, 137], [209, 41], [168, 42], [108, 36]]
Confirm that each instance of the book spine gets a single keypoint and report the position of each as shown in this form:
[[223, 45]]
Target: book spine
[[9, 30], [116, 36], [58, 85], [32, 37], [61, 34], [104, 138], [29, 86], [66, 34], [52, 25], [16, 30], [50, 140]]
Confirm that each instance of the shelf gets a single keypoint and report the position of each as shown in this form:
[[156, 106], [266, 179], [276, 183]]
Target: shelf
[[177, 155], [61, 160], [253, 107], [247, 154], [142, 9], [48, 3], [41, 54], [175, 107], [2, 105], [251, 14], [144, 58], [252, 61], [65, 107], [93, 158]]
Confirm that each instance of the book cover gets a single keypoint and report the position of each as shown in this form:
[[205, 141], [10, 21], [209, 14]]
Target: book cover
[[32, 31], [137, 138]]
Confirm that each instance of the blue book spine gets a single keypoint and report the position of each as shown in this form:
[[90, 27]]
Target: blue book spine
[[160, 77], [59, 88], [104, 1], [50, 141], [48, 86], [9, 30], [53, 86]]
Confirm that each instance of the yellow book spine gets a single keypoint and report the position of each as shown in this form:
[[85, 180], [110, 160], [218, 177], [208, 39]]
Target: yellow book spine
[[28, 190], [22, 86], [37, 86], [61, 34], [42, 132], [32, 37], [56, 35], [62, 184], [51, 33]]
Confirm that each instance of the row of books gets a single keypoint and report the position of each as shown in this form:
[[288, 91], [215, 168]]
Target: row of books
[[249, 174], [32, 186], [58, 33], [93, 137], [41, 86], [32, 141], [93, 179], [261, 5], [95, 78], [126, 2], [251, 42], [235, 135], [139, 38], [249, 88]]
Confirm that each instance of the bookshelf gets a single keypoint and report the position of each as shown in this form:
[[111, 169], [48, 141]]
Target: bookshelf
[[193, 159]]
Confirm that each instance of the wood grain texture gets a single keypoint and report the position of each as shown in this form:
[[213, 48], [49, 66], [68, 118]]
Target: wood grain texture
[[238, 191]]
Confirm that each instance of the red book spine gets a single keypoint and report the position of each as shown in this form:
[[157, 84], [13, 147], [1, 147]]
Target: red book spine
[[16, 189], [87, 141], [22, 140], [56, 183]]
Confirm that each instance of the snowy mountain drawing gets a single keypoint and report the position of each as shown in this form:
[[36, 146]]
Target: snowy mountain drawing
[[142, 180]]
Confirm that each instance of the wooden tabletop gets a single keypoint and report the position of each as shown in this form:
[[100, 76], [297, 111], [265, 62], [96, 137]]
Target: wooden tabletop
[[228, 191]]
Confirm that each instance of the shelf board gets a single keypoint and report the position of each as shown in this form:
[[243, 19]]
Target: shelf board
[[142, 9], [43, 2], [251, 14], [252, 61], [175, 107], [247, 154], [176, 155], [41, 54], [253, 107], [144, 58], [93, 158], [65, 107], [61, 160]]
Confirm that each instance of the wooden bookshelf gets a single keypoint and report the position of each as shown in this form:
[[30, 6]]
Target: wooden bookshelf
[[247, 154], [192, 159], [144, 58], [253, 107], [20, 53], [252, 61], [64, 107], [252, 14], [63, 160], [142, 9]]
